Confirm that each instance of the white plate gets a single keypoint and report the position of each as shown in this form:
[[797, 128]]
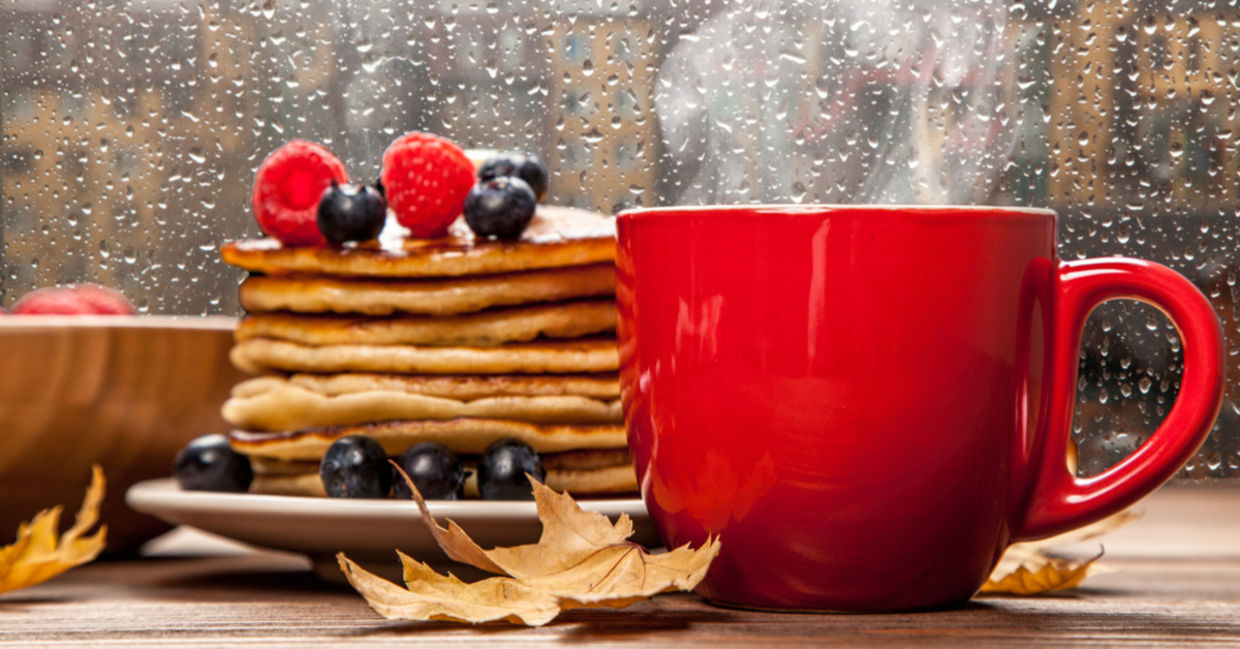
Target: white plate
[[367, 530]]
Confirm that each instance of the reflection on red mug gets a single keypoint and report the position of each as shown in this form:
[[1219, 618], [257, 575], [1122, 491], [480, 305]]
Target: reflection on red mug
[[869, 404]]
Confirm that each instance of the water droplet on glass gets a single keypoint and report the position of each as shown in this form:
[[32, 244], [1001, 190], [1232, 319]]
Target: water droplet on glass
[[130, 133]]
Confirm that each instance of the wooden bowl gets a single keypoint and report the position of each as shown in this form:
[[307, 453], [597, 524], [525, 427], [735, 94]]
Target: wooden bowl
[[126, 392]]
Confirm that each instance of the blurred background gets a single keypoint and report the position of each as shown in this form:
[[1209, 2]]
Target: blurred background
[[131, 130]]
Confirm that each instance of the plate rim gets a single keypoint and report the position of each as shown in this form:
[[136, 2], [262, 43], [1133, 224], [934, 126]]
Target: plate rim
[[158, 494]]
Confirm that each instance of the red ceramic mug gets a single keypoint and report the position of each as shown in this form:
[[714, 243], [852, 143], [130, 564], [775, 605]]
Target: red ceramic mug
[[869, 404]]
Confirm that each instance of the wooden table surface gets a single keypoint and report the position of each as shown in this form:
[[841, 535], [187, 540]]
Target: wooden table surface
[[1173, 578]]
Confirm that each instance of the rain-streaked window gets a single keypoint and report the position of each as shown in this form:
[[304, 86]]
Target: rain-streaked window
[[131, 131]]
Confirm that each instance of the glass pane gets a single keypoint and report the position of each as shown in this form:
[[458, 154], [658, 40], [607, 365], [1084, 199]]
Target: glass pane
[[132, 128]]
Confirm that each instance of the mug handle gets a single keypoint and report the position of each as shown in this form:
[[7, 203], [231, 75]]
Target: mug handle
[[1060, 501]]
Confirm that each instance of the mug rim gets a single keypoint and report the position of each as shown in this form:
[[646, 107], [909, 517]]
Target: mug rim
[[917, 211]]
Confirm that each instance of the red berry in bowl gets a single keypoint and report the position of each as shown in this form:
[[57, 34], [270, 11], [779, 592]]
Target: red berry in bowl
[[426, 178], [73, 299], [287, 189]]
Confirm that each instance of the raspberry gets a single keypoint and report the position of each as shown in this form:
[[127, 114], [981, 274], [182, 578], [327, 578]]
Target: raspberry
[[287, 189], [426, 178], [73, 299]]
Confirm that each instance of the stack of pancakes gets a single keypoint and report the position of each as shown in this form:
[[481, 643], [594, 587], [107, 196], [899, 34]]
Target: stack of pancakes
[[458, 341]]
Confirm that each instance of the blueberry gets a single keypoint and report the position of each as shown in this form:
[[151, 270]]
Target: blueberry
[[502, 469], [435, 471], [351, 213], [500, 207], [525, 166], [208, 463], [355, 466]]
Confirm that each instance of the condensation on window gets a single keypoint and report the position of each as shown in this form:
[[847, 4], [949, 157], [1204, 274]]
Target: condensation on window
[[131, 130]]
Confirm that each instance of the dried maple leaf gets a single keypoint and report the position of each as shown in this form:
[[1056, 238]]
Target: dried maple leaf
[[429, 595], [38, 555], [1031, 568], [581, 560], [1047, 576]]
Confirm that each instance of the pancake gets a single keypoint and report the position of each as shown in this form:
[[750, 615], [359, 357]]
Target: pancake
[[462, 435], [556, 237], [564, 461], [316, 294], [589, 472], [459, 340], [578, 482], [591, 482], [286, 406], [465, 388], [275, 467], [260, 355], [304, 484], [485, 329]]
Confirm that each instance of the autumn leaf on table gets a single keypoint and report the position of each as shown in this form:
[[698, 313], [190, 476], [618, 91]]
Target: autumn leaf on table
[[582, 560], [428, 595], [1033, 569], [38, 555], [1041, 574]]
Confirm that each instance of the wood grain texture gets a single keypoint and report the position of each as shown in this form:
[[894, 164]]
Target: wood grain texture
[[124, 391], [1154, 595]]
